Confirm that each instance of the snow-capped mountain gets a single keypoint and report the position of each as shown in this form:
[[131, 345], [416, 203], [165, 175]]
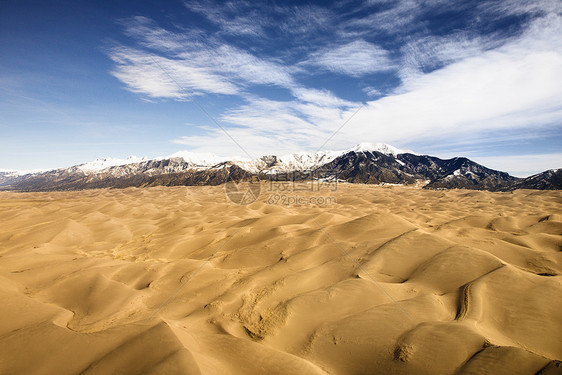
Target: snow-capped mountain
[[200, 159], [16, 172], [301, 161], [372, 163], [13, 174], [104, 163], [306, 161], [383, 148]]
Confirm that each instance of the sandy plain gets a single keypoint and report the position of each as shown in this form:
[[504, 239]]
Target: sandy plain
[[388, 280]]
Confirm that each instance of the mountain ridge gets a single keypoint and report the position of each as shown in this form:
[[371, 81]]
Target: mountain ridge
[[370, 163]]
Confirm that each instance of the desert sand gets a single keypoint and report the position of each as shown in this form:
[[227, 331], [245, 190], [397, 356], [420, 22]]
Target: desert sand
[[388, 280]]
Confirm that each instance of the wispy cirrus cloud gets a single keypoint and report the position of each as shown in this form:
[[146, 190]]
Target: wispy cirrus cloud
[[232, 17], [174, 62], [321, 98], [430, 52], [255, 20], [389, 16], [161, 77], [426, 54], [354, 59], [533, 8], [146, 33], [305, 19]]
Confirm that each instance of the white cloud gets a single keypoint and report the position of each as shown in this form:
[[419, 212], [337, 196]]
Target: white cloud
[[516, 85], [183, 61], [371, 91], [286, 119], [247, 68], [160, 77], [322, 98], [355, 59]]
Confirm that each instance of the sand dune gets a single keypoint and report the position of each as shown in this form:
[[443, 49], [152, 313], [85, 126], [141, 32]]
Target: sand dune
[[389, 280]]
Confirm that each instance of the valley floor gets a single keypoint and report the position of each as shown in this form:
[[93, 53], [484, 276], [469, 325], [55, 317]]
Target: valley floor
[[377, 280]]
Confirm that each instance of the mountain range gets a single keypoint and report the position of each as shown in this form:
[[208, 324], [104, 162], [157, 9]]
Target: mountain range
[[369, 163]]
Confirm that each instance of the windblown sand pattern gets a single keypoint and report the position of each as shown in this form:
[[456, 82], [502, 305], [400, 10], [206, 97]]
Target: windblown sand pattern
[[389, 280]]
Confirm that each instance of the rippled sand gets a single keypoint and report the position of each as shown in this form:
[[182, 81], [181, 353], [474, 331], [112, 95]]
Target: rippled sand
[[388, 280]]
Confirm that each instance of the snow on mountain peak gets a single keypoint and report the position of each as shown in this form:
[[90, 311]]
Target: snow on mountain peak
[[379, 147], [16, 173], [206, 159], [304, 160], [103, 163]]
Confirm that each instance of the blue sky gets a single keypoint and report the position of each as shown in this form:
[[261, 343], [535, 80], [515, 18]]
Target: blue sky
[[86, 79]]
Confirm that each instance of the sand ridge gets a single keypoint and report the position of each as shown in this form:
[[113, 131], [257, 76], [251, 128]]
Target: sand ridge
[[390, 280]]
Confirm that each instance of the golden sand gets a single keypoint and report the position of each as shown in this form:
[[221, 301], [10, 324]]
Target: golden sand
[[388, 280]]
